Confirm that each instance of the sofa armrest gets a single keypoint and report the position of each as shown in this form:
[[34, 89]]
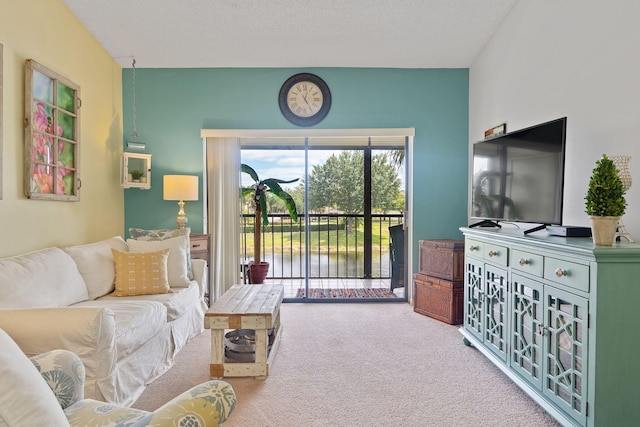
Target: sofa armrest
[[64, 373], [89, 332], [200, 275], [213, 401], [38, 330]]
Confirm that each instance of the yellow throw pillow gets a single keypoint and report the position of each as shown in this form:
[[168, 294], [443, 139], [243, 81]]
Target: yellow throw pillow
[[141, 273]]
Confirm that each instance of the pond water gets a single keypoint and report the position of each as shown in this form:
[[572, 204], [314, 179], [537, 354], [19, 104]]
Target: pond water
[[328, 265]]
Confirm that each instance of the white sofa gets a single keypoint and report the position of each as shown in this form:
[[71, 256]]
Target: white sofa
[[62, 298]]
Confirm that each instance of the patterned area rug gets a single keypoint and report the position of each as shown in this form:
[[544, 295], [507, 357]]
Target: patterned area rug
[[347, 293]]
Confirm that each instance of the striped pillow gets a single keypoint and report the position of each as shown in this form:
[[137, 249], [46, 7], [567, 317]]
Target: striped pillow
[[141, 273]]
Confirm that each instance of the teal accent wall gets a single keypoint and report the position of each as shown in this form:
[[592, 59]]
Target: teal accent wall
[[173, 105]]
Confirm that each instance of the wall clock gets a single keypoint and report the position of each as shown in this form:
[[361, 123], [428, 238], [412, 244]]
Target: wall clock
[[304, 99]]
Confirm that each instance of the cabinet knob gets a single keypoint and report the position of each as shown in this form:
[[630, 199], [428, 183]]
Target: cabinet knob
[[524, 262], [474, 248], [560, 272], [493, 253]]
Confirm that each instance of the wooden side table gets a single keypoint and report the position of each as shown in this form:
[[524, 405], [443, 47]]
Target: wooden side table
[[199, 249], [199, 246], [255, 307]]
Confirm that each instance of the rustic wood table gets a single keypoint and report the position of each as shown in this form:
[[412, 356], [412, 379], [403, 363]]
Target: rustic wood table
[[255, 307]]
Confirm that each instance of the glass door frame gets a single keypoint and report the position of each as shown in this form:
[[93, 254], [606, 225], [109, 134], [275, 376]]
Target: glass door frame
[[407, 133]]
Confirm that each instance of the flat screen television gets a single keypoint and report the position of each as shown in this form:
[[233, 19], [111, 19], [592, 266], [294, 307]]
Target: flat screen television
[[519, 177]]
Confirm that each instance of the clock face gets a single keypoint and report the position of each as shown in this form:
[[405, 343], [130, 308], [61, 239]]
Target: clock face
[[304, 99]]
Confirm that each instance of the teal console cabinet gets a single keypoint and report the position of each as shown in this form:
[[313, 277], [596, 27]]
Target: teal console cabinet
[[560, 317]]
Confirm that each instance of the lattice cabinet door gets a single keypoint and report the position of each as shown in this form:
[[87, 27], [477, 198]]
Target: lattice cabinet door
[[495, 310], [566, 333], [526, 329], [474, 296]]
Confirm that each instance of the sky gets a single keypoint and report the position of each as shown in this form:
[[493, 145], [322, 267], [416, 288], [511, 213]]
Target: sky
[[286, 164], [281, 164]]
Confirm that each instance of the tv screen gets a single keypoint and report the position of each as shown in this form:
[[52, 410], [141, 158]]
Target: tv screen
[[519, 176]]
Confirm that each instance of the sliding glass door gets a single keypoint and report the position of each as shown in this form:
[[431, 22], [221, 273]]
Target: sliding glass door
[[283, 242], [350, 197]]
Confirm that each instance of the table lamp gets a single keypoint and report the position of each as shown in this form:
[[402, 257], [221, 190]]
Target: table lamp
[[181, 188]]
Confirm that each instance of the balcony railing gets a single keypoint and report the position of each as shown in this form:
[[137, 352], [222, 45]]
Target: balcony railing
[[336, 245]]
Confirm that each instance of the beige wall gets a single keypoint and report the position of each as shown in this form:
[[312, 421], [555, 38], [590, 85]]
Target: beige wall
[[47, 31]]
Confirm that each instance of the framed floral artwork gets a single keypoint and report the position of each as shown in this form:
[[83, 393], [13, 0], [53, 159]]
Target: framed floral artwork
[[1, 130], [52, 135]]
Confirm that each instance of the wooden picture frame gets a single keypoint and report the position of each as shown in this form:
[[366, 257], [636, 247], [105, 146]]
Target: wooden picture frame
[[52, 135], [1, 115]]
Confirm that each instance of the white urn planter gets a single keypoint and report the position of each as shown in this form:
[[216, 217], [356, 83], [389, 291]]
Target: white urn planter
[[603, 229]]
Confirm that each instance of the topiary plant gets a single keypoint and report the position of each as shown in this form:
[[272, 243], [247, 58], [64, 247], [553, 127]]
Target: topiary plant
[[605, 196]]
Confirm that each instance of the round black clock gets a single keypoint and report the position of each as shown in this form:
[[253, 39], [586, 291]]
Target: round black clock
[[304, 99]]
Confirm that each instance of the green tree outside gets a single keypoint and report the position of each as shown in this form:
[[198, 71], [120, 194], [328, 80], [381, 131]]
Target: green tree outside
[[338, 185]]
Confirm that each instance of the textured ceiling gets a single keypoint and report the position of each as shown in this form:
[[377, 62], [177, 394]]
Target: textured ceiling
[[292, 33]]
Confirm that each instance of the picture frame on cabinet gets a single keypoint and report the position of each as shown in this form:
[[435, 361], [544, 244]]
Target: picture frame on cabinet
[[495, 131]]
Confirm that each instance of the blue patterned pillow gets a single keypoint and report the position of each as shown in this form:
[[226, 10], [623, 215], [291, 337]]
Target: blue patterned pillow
[[159, 234]]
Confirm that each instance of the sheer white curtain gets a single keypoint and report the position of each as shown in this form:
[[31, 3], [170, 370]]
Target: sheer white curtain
[[223, 213]]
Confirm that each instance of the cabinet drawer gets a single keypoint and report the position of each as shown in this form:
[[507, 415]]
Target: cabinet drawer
[[200, 255], [567, 273], [199, 243], [473, 248], [496, 254], [435, 282], [527, 262]]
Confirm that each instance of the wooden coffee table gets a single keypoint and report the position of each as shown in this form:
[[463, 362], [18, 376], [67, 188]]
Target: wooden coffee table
[[255, 307]]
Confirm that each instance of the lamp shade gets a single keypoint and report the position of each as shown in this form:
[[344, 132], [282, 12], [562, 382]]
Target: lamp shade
[[180, 187]]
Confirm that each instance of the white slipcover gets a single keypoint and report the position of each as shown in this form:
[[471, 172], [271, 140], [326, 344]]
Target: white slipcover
[[95, 263], [124, 342], [45, 278]]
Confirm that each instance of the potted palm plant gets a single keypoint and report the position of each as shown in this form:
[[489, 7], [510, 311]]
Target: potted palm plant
[[605, 202], [258, 269]]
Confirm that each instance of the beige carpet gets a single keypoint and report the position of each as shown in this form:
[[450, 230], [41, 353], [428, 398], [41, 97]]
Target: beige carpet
[[362, 365]]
